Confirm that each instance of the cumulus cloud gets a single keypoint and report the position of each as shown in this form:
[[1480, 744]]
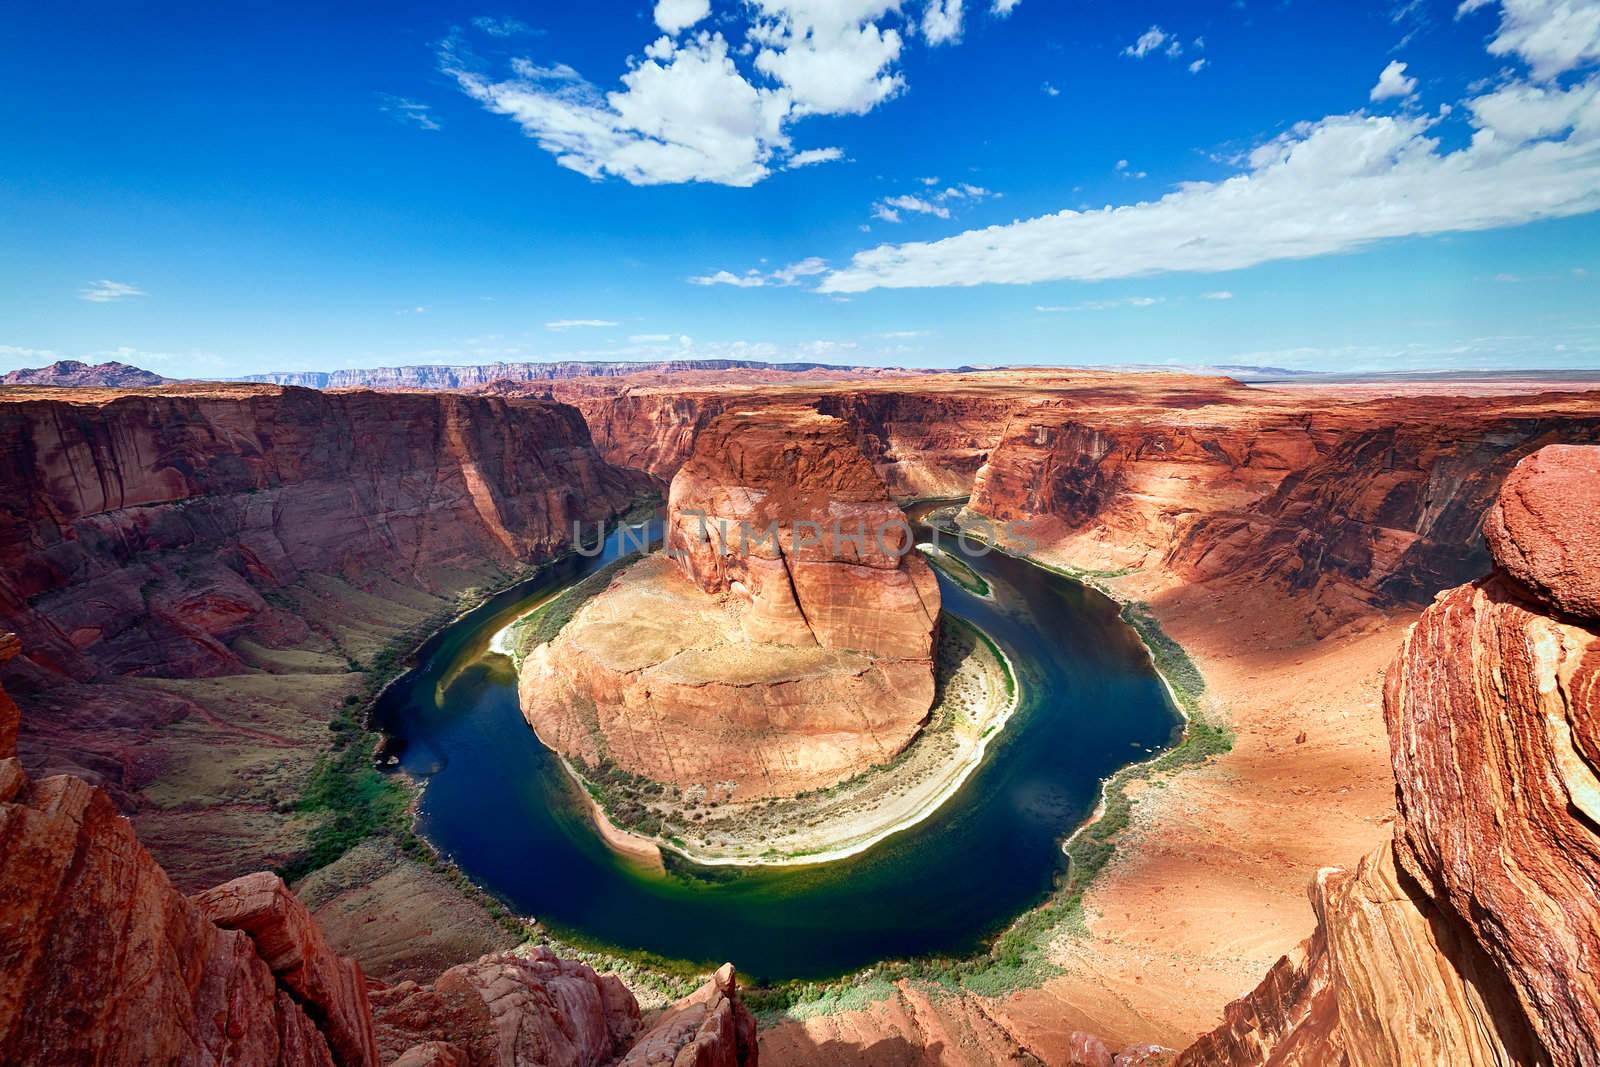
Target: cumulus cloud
[[1198, 65], [890, 209], [1333, 185], [576, 324], [106, 291], [1049, 90], [1152, 40], [675, 16], [755, 279], [1393, 82], [1002, 8], [941, 21], [1551, 36], [695, 108]]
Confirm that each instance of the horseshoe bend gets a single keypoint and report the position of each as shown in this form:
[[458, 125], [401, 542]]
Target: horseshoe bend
[[801, 533]]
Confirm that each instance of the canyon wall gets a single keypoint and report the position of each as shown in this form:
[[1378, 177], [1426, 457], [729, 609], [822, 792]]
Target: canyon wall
[[202, 575], [140, 530], [1345, 507], [1472, 938], [103, 960]]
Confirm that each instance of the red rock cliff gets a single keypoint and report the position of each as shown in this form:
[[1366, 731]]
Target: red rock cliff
[[1473, 939], [138, 531], [840, 572], [103, 961]]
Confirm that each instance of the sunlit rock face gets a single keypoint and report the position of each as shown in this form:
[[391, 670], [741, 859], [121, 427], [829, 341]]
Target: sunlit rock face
[[1473, 939], [784, 641]]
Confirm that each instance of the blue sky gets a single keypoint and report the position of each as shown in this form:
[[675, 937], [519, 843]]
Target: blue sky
[[1327, 186]]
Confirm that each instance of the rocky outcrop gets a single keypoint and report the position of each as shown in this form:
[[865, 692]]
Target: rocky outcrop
[[510, 1010], [781, 510], [74, 373], [1472, 939], [103, 961], [783, 643], [709, 1028]]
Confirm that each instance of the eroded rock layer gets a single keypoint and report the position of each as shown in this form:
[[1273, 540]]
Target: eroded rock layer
[[783, 642], [1473, 939], [103, 961], [141, 530]]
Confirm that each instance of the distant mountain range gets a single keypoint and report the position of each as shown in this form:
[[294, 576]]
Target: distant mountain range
[[72, 372], [435, 376]]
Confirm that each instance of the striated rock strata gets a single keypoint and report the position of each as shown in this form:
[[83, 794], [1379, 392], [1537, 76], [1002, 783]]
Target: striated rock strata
[[1473, 939], [103, 961], [752, 665]]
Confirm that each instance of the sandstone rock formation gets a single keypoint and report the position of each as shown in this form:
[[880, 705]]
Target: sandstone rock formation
[[780, 509], [1472, 939], [103, 961], [141, 530], [759, 666], [153, 537]]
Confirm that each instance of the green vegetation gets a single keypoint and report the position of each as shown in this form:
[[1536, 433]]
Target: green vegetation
[[540, 626], [1174, 664], [353, 799], [955, 568]]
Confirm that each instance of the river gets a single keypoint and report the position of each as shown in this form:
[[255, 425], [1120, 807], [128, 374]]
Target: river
[[498, 804]]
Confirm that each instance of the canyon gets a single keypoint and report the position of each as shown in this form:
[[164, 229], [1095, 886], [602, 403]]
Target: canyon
[[200, 575]]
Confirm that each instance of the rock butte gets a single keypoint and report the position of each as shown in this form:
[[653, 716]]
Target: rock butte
[[195, 569], [761, 665]]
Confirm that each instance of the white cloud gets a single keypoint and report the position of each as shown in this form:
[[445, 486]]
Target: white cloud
[[941, 21], [405, 110], [685, 115], [1330, 186], [1049, 90], [754, 279], [813, 156], [916, 205], [830, 56], [1151, 40], [890, 209], [1220, 294], [674, 16], [693, 108], [1551, 36], [575, 324], [1393, 82], [1198, 65], [106, 291], [1002, 8], [1123, 169]]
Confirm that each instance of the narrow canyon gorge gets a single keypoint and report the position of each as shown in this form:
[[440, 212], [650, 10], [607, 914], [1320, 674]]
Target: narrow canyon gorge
[[206, 584]]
